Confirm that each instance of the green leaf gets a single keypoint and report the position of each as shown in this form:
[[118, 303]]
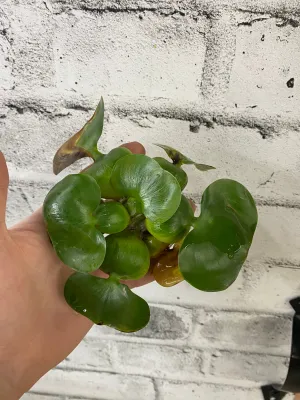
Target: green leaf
[[133, 206], [127, 256], [107, 302], [180, 159], [176, 227], [82, 144], [92, 132], [68, 212], [213, 254], [142, 178], [111, 217], [101, 171], [174, 169], [155, 247]]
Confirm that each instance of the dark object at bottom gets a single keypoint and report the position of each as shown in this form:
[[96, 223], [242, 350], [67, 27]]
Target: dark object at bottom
[[270, 393], [292, 382]]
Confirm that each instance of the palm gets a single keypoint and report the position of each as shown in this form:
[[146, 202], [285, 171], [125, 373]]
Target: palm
[[36, 322], [35, 292]]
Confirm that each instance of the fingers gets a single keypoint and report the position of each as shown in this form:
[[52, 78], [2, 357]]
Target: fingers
[[135, 147], [140, 282], [4, 180]]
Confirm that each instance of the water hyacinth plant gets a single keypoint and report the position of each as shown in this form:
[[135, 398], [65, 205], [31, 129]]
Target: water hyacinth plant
[[126, 214]]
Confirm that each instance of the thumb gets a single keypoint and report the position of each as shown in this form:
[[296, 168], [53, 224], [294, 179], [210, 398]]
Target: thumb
[[4, 180]]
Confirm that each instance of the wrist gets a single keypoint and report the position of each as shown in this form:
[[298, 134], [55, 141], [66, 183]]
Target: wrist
[[17, 374], [10, 387]]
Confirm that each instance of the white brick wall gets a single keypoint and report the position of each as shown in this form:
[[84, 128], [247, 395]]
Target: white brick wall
[[210, 77]]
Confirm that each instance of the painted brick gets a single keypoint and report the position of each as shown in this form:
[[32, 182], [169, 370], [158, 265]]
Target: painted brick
[[33, 396], [6, 54], [169, 6], [32, 33], [252, 367], [221, 39], [191, 391], [94, 5], [17, 207], [153, 56], [158, 361], [29, 141], [266, 333], [260, 287], [23, 199], [267, 57], [94, 385], [164, 7], [6, 80], [269, 171], [166, 323], [90, 354], [274, 7], [276, 235]]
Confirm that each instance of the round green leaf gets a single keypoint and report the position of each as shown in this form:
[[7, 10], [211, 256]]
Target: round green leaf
[[142, 178], [111, 217], [107, 302], [212, 255], [155, 247], [127, 256], [102, 169], [68, 213], [174, 169], [176, 227]]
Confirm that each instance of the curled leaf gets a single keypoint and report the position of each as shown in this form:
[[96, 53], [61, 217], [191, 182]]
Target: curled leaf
[[82, 144], [165, 269], [176, 227], [180, 159], [106, 302], [142, 178], [68, 212], [127, 256], [212, 255], [111, 217], [102, 169]]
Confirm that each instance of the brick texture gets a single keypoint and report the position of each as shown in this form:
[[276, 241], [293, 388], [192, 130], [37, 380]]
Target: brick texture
[[176, 391], [218, 79], [263, 73], [167, 323], [34, 396], [31, 32], [253, 367], [244, 331], [92, 385], [159, 361], [147, 49], [90, 354], [269, 171]]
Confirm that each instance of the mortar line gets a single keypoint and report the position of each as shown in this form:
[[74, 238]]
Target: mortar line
[[242, 383]]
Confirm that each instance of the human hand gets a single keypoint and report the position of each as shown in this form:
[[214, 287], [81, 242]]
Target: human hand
[[37, 327]]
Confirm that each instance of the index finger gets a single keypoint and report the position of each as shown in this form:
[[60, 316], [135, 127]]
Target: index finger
[[135, 147]]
